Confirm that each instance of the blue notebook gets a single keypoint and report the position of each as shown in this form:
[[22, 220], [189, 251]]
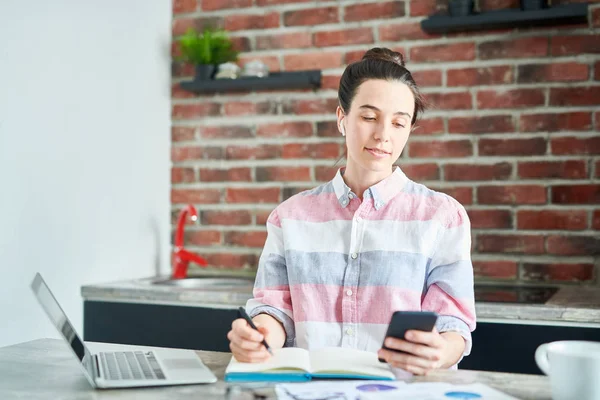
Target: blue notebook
[[293, 364]]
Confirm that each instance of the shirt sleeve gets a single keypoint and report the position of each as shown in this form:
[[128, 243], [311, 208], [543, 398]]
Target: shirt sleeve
[[271, 293], [449, 282]]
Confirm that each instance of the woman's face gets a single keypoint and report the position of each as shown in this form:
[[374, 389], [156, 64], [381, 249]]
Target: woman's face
[[378, 124]]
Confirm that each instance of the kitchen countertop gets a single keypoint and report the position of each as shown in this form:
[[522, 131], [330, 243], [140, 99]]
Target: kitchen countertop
[[45, 369], [574, 305]]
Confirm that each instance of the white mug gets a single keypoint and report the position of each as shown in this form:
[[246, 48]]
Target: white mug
[[573, 367]]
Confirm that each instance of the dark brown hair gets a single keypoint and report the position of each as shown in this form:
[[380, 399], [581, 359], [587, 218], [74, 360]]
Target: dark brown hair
[[378, 63]]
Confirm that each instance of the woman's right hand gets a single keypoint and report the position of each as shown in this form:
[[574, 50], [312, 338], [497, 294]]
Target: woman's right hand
[[246, 343]]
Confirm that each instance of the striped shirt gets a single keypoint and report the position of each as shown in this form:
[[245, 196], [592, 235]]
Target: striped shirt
[[334, 268]]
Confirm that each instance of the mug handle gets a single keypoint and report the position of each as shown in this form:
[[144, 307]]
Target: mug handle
[[541, 358]]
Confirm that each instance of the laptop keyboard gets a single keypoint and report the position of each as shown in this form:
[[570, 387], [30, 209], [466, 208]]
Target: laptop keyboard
[[127, 365]]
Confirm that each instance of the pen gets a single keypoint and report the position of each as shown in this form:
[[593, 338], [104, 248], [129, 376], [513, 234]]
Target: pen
[[242, 312]]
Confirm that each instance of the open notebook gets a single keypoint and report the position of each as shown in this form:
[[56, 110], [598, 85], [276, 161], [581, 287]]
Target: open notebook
[[293, 364]]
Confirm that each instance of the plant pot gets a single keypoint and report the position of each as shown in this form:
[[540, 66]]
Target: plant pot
[[204, 72], [458, 8], [527, 5]]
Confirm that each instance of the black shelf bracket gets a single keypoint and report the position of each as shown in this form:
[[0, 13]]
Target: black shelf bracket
[[275, 80], [509, 18]]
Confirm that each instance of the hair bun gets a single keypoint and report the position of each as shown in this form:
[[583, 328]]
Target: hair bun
[[384, 54]]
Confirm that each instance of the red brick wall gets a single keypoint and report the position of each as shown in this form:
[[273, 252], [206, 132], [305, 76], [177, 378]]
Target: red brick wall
[[512, 132]]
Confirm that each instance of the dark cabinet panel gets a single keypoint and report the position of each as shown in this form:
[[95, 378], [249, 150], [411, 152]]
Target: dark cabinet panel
[[158, 325], [511, 347]]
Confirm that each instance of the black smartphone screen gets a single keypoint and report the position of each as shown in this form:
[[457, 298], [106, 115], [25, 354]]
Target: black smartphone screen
[[403, 321]]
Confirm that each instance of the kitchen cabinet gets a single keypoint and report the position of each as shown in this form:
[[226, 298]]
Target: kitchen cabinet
[[512, 321], [510, 347], [163, 325], [501, 347]]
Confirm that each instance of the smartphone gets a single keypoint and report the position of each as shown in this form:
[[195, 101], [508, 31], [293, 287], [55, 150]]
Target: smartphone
[[403, 321]]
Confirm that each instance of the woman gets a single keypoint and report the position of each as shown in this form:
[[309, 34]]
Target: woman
[[341, 258]]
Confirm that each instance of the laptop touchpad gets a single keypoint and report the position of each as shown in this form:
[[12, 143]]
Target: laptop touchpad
[[182, 363]]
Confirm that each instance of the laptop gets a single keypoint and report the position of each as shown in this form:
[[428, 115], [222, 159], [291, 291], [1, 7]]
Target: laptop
[[123, 369]]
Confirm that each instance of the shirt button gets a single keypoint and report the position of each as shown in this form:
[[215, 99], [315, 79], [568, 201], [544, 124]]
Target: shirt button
[[349, 292], [354, 255], [350, 195], [358, 219], [344, 202], [349, 331]]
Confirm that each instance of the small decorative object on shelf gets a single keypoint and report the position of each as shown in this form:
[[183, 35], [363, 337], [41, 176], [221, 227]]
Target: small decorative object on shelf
[[460, 7], [255, 68], [228, 70], [206, 50], [533, 4]]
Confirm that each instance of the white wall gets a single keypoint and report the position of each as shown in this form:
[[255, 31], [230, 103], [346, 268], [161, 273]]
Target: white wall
[[84, 151]]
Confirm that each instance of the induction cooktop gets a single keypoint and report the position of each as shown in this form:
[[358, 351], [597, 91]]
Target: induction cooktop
[[513, 294]]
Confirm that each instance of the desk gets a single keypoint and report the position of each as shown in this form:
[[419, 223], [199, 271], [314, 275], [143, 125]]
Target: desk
[[45, 369]]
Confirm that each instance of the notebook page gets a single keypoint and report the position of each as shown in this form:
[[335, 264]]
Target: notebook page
[[345, 361], [288, 358]]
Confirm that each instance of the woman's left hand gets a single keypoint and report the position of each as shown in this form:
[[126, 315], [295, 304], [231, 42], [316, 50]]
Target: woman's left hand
[[422, 351]]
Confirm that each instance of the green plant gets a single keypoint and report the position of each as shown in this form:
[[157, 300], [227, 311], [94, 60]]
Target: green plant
[[213, 46]]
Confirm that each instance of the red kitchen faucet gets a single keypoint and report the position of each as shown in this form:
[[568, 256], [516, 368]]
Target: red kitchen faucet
[[182, 257]]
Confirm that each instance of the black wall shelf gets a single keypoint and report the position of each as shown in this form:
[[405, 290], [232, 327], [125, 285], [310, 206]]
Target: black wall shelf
[[510, 18], [275, 80]]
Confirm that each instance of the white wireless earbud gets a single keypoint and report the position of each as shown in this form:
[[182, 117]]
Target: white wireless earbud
[[343, 130]]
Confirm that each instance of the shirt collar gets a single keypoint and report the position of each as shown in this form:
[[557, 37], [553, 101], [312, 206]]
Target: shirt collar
[[381, 192]]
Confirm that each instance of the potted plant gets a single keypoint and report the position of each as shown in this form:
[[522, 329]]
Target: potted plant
[[206, 50], [527, 5], [458, 8]]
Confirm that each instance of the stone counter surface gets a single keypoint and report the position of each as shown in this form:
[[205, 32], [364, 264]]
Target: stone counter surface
[[45, 369], [143, 291], [576, 305]]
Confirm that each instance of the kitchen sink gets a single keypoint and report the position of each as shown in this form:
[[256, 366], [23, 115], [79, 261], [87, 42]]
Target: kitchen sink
[[208, 282]]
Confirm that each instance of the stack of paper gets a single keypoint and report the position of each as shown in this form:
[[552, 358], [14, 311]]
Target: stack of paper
[[378, 390]]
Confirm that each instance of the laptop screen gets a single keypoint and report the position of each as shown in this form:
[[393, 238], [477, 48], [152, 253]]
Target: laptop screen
[[59, 319]]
